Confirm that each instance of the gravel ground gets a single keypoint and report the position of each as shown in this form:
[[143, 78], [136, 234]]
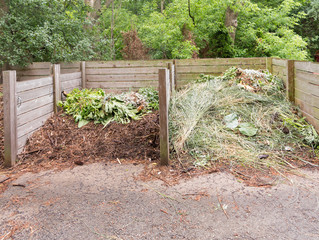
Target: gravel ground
[[99, 201]]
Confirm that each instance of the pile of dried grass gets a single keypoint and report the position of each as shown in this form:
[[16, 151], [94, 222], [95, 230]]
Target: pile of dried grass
[[200, 131]]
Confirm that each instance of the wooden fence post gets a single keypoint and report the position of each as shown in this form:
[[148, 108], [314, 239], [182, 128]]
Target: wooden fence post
[[290, 88], [56, 86], [83, 74], [164, 96], [171, 68], [269, 64], [10, 118]]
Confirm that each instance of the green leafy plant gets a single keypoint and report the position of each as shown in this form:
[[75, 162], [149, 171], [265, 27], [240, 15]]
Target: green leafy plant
[[151, 97], [94, 105]]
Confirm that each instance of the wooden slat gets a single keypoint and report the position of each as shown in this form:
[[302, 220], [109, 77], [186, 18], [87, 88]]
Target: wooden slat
[[35, 65], [307, 87], [121, 84], [76, 83], [70, 65], [307, 66], [122, 78], [311, 120], [34, 72], [307, 77], [207, 69], [279, 62], [127, 64], [35, 93], [303, 96], [221, 62], [31, 84], [33, 125], [21, 142], [34, 114], [34, 104], [70, 76], [121, 71], [304, 106]]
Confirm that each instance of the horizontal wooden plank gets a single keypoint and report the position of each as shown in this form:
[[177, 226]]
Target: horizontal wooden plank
[[122, 78], [311, 120], [33, 125], [192, 76], [22, 141], [307, 77], [31, 84], [70, 76], [279, 62], [305, 107], [34, 114], [76, 83], [35, 65], [121, 71], [208, 69], [35, 93], [303, 96], [71, 65], [279, 71], [28, 78], [221, 61], [307, 87], [69, 70], [34, 72], [107, 85], [127, 64], [34, 104], [307, 66]]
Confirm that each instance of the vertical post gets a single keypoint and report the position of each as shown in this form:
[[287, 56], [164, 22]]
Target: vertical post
[[56, 86], [171, 68], [175, 74], [83, 74], [10, 118], [269, 64], [164, 96], [290, 88]]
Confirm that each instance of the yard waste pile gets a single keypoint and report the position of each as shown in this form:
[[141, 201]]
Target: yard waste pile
[[94, 105], [62, 142], [242, 118]]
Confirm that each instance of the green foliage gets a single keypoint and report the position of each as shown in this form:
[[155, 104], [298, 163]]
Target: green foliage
[[42, 30], [151, 97], [93, 105]]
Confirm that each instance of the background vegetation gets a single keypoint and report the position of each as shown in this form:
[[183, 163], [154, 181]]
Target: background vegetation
[[69, 30]]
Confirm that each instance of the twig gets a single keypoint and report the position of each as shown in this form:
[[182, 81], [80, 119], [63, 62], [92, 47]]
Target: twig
[[18, 185], [119, 161], [5, 179], [220, 204]]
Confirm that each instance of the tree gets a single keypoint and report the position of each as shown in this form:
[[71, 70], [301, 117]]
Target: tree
[[42, 30]]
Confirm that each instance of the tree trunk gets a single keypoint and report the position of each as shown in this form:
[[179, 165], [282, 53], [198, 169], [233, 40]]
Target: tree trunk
[[96, 5], [231, 23], [162, 6]]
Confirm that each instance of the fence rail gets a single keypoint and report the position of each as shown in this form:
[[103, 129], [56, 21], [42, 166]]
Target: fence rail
[[31, 94]]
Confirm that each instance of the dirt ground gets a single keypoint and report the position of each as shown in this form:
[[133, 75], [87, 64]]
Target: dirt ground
[[108, 201]]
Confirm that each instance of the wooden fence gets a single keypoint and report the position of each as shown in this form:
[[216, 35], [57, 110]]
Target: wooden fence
[[31, 94], [28, 104]]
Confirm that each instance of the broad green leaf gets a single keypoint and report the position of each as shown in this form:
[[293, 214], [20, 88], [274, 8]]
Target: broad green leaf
[[248, 129], [82, 123], [231, 121]]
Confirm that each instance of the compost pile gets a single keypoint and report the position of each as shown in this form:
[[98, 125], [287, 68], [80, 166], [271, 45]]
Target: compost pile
[[1, 129], [240, 119], [100, 128]]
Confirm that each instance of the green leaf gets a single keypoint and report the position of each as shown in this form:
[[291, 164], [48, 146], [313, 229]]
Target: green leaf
[[231, 121], [82, 123], [248, 129]]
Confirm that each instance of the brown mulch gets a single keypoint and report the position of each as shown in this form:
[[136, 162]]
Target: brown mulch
[[61, 143]]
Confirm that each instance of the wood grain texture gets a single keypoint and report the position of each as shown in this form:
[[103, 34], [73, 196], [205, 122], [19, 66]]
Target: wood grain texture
[[122, 77], [83, 75], [10, 118], [307, 66], [24, 107], [279, 62], [70, 76], [56, 86], [164, 90], [34, 114], [32, 84], [127, 64], [34, 93], [290, 87]]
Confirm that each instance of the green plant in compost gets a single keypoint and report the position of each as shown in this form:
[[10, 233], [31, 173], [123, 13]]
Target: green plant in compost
[[237, 117], [94, 105], [151, 97]]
